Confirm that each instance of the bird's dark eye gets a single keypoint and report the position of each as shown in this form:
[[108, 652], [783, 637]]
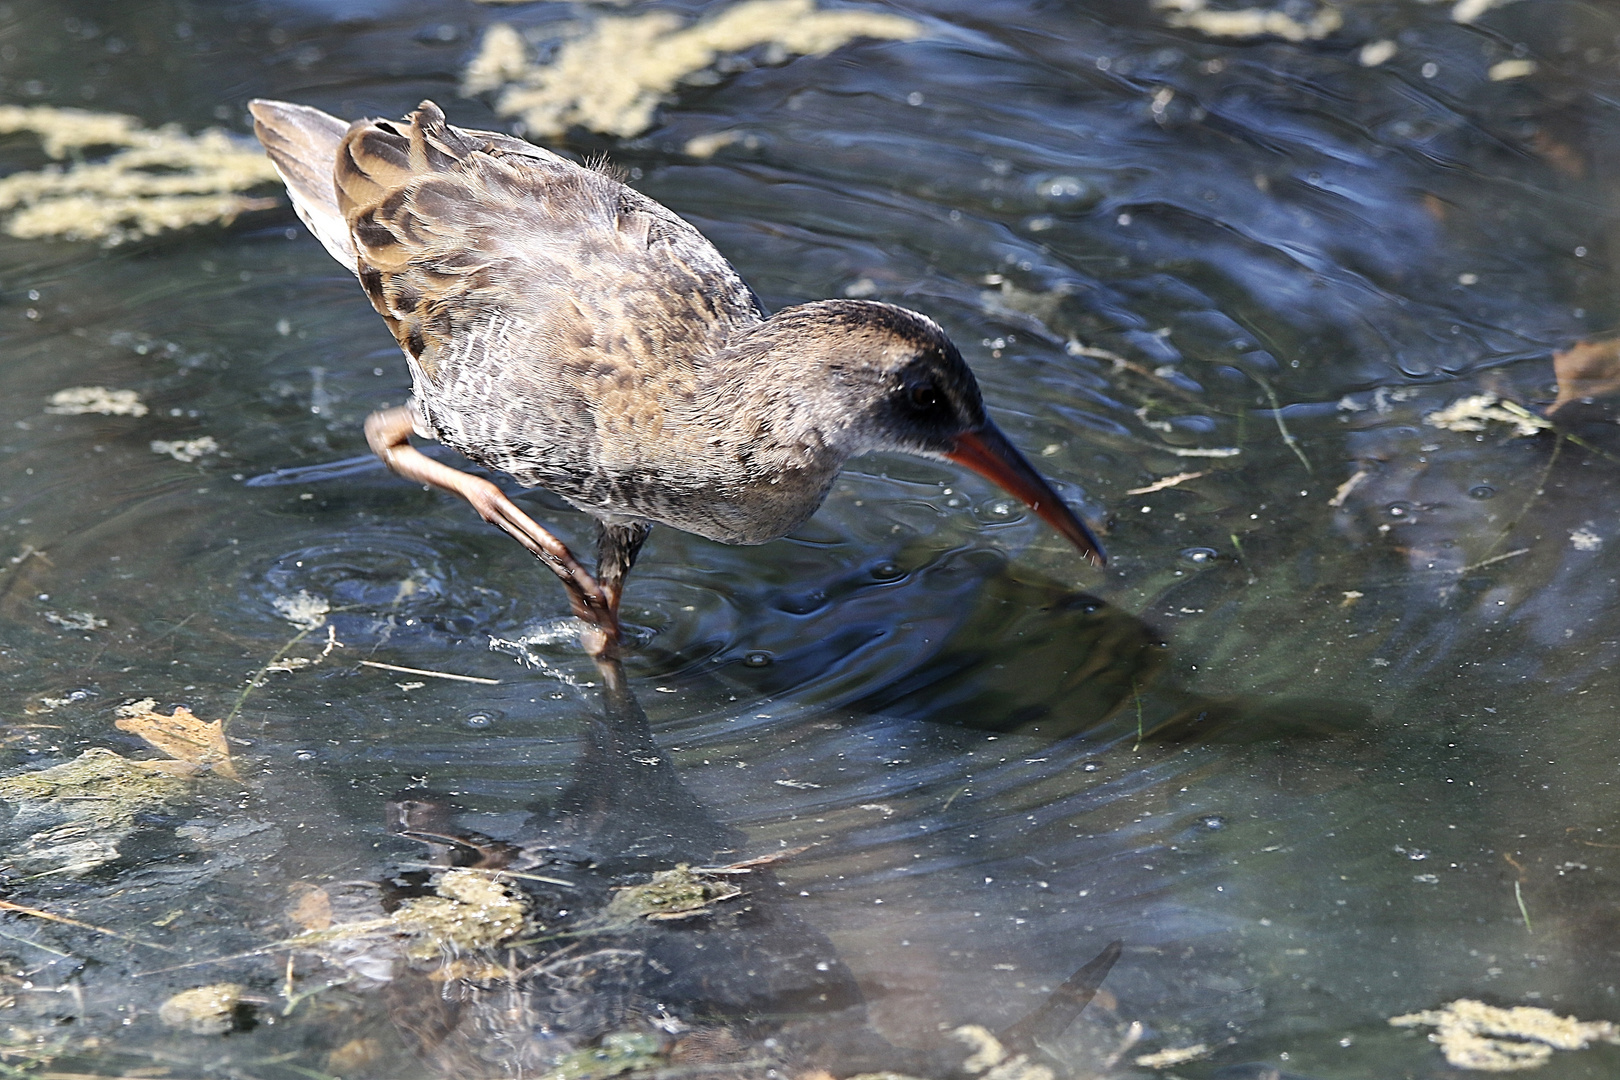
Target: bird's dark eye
[[923, 397]]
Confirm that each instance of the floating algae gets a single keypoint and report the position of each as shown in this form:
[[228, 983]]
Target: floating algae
[[1473, 413], [681, 893], [73, 815], [1474, 1035], [186, 451], [152, 181], [204, 1010], [472, 911], [80, 400], [614, 77], [1250, 22]]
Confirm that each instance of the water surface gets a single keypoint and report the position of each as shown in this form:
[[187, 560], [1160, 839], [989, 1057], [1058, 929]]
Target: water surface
[[1319, 754]]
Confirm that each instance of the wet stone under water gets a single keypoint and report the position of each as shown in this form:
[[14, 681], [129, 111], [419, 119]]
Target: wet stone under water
[[1272, 294]]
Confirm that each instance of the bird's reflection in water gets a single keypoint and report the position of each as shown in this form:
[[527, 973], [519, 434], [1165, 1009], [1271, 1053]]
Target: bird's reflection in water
[[698, 972]]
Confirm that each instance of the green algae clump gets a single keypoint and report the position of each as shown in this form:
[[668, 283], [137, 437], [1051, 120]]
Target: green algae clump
[[472, 911], [613, 78], [153, 181]]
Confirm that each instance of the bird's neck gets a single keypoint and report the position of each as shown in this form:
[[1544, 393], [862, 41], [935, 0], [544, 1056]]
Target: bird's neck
[[774, 388]]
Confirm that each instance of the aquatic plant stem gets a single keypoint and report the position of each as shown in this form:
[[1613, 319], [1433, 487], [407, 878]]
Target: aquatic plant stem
[[1282, 428], [1524, 912], [7, 905], [1137, 695]]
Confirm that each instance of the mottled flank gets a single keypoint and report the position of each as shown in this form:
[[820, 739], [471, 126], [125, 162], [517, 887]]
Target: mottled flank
[[614, 77], [126, 181]]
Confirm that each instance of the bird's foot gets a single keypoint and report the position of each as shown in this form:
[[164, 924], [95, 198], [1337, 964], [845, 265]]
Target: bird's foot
[[388, 432]]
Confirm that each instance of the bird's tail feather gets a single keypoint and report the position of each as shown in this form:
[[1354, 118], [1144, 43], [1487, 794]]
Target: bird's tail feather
[[303, 143]]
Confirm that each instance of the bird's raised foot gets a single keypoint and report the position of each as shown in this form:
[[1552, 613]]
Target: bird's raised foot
[[388, 432]]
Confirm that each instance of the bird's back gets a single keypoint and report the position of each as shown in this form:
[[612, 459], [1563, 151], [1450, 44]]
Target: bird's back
[[555, 320]]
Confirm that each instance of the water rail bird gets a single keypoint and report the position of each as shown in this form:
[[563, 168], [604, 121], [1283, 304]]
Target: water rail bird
[[569, 331]]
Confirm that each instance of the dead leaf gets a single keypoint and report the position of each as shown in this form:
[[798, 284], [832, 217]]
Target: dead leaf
[[313, 911], [1587, 369], [181, 736]]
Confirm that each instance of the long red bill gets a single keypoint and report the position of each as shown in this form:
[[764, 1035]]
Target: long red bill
[[988, 453]]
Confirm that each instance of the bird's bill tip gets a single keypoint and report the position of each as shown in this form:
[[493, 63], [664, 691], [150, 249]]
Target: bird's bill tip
[[988, 452]]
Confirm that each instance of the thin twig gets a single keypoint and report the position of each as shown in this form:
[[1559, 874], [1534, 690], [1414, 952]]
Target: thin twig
[[1276, 414], [1167, 482], [7, 905], [433, 674]]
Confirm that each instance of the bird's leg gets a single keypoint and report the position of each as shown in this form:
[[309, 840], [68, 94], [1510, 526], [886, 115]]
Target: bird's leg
[[388, 432], [617, 546]]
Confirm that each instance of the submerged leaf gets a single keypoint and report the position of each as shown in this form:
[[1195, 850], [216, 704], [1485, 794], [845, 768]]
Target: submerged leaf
[[182, 736], [1587, 369]]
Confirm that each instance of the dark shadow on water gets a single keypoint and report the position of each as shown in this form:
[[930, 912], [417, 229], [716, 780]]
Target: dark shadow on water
[[709, 976]]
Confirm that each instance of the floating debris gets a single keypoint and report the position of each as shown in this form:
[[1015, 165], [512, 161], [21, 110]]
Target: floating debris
[[205, 1010], [1512, 69], [423, 671], [75, 814], [186, 451], [472, 911], [1585, 538], [78, 400], [681, 893], [1474, 1035], [1473, 413], [1167, 482], [180, 735], [1169, 1059], [613, 78], [619, 1053], [302, 609], [1466, 11], [1587, 369], [1377, 52], [155, 180], [989, 1059], [75, 620], [1250, 22]]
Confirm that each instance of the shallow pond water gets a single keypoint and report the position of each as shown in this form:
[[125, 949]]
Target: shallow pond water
[[1330, 740]]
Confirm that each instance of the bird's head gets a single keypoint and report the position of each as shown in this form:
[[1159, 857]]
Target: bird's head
[[898, 383]]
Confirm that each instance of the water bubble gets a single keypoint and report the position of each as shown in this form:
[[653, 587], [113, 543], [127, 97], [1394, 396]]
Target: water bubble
[[999, 511], [1482, 491], [1212, 822], [1090, 766], [1199, 556], [1066, 192], [1399, 509], [479, 720], [758, 658], [887, 571], [303, 755]]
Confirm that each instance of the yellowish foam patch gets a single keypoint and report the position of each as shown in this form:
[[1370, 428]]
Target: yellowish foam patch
[[1473, 413], [613, 78], [1474, 1035], [1250, 22], [151, 181]]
